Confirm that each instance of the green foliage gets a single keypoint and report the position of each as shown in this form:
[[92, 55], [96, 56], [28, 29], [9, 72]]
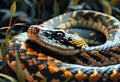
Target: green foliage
[[56, 8], [114, 2], [20, 73], [107, 7], [67, 80], [13, 9], [2, 51], [38, 11], [7, 77]]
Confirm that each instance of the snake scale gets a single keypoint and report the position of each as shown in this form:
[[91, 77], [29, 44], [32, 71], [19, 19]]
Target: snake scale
[[37, 47]]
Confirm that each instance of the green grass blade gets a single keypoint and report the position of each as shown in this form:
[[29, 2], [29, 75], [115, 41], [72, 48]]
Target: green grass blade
[[67, 80], [107, 7], [45, 80], [13, 8], [7, 77], [8, 35], [12, 12], [20, 73], [56, 8], [2, 51]]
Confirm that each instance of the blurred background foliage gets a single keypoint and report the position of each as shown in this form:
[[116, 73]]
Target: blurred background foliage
[[22, 13], [36, 11]]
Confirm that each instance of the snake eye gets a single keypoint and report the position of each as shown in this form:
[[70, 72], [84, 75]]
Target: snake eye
[[37, 30], [58, 35]]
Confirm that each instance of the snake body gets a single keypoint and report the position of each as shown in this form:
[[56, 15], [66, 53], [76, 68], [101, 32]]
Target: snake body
[[39, 51]]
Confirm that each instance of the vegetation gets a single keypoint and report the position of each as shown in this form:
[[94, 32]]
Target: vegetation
[[22, 13]]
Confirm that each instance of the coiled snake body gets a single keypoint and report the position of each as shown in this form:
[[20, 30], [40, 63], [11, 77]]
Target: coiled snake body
[[47, 43]]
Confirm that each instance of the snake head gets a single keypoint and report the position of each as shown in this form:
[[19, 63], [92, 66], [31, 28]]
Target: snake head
[[56, 40]]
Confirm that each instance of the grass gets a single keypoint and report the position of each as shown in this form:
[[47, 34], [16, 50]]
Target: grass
[[20, 74], [56, 10]]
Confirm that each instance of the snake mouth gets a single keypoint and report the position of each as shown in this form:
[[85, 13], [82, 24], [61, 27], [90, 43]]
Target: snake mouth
[[57, 41]]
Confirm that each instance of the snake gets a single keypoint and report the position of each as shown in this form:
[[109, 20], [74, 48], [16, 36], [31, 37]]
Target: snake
[[49, 53]]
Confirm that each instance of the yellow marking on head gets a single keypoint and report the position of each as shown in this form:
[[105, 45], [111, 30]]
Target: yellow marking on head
[[78, 43]]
